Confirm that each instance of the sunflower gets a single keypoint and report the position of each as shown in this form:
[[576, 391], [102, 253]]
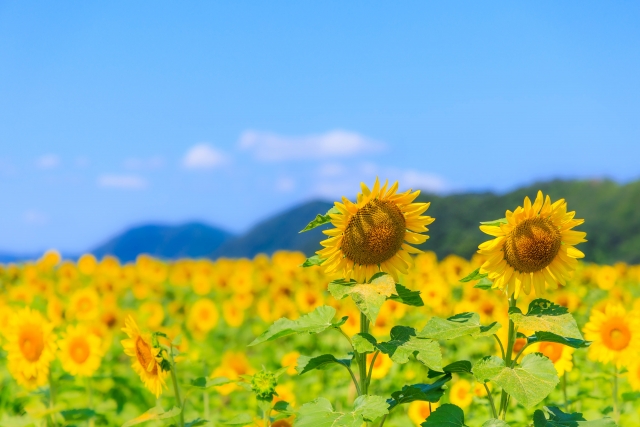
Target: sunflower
[[85, 304], [560, 355], [146, 358], [31, 348], [615, 335], [461, 393], [534, 246], [381, 365], [202, 318], [420, 410], [80, 351], [370, 234], [633, 375]]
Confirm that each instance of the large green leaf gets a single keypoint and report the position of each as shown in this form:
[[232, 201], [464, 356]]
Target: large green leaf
[[424, 392], [459, 367], [457, 326], [78, 414], [447, 415], [545, 316], [474, 275], [156, 413], [364, 343], [316, 321], [557, 418], [320, 413], [321, 219], [551, 337], [529, 383], [404, 343], [306, 364], [369, 297], [407, 296]]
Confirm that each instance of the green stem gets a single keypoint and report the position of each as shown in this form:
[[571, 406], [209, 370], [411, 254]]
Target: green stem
[[355, 381], [373, 361], [501, 346], [267, 418], [504, 401], [491, 402], [346, 336], [90, 396], [616, 407], [52, 399], [176, 388], [362, 363], [564, 392], [383, 420], [515, 359]]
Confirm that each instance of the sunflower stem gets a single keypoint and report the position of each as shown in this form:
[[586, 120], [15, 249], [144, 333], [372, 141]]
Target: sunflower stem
[[504, 400], [491, 402], [90, 398], [52, 399], [362, 362], [564, 391], [616, 407], [176, 388]]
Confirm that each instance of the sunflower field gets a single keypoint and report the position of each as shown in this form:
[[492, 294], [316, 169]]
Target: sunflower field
[[370, 331]]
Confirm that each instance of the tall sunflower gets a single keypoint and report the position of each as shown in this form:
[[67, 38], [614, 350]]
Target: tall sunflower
[[145, 357], [80, 351], [533, 247], [375, 233], [31, 348], [615, 335]]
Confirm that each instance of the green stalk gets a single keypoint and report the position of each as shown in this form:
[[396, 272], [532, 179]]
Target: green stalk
[[52, 399], [362, 363], [504, 401], [616, 407], [491, 402], [90, 396], [564, 391], [176, 388]]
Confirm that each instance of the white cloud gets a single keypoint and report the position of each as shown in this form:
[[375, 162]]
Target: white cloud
[[127, 182], [272, 147], [285, 184], [331, 169], [151, 163], [48, 161], [204, 156], [423, 181], [34, 217]]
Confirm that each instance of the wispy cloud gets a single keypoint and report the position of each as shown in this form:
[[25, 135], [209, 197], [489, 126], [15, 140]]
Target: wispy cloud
[[204, 156], [271, 147], [48, 161], [150, 163], [34, 217], [126, 182], [285, 184]]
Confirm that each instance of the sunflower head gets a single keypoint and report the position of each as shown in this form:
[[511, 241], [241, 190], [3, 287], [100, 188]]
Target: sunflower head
[[263, 384], [80, 351], [615, 335], [374, 234], [533, 247]]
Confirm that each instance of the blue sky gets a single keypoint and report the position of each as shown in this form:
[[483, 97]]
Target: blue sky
[[120, 113]]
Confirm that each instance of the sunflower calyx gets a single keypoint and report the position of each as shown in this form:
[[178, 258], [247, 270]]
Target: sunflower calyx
[[159, 350], [263, 384]]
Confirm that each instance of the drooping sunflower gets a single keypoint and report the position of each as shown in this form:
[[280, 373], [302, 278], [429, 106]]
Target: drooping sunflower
[[615, 335], [145, 357], [375, 233], [80, 351], [31, 348], [534, 247]]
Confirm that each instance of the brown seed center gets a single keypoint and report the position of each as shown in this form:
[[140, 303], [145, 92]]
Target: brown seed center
[[375, 233], [532, 245], [31, 342], [145, 357]]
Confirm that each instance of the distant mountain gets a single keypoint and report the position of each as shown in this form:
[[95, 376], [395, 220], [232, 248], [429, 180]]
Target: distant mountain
[[279, 232], [192, 240]]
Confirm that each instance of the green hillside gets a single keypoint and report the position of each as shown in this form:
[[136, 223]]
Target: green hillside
[[611, 212]]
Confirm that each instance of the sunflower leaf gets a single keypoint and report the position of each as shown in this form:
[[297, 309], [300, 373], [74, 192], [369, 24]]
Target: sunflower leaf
[[404, 343], [204, 383], [156, 413], [545, 316], [320, 413], [457, 326], [459, 367], [485, 284], [495, 222], [474, 275], [407, 296], [557, 418], [306, 364], [315, 322], [447, 415], [369, 297], [239, 420], [495, 423], [551, 337], [424, 392], [529, 383], [364, 343], [320, 220], [312, 261]]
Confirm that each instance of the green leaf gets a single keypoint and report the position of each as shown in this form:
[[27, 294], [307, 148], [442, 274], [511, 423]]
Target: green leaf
[[457, 326], [495, 423], [369, 297], [282, 406], [447, 415], [156, 413], [306, 364], [320, 220], [485, 284], [528, 383], [312, 261], [424, 392], [78, 414], [315, 322], [545, 316], [405, 343], [407, 296], [239, 420], [495, 222], [204, 383], [364, 343], [551, 337], [320, 413], [631, 396], [557, 418], [459, 367], [474, 275], [195, 423], [18, 421]]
